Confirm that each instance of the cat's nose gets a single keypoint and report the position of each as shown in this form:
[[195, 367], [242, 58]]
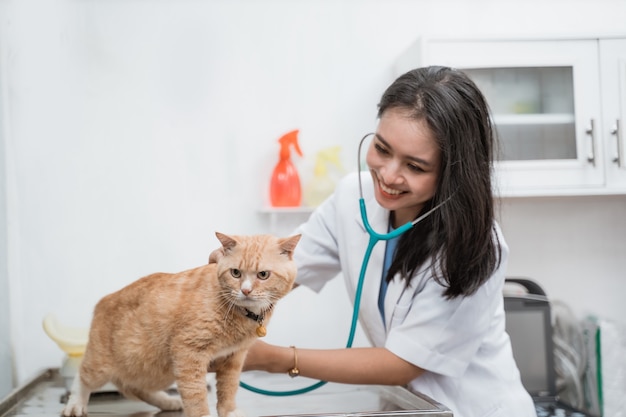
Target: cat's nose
[[246, 287]]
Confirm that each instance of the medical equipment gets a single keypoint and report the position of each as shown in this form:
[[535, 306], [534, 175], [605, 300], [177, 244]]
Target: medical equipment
[[374, 238]]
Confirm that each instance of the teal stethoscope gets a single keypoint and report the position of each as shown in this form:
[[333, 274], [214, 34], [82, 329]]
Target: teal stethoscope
[[374, 238]]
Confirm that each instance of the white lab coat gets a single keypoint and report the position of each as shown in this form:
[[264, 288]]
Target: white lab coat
[[461, 343]]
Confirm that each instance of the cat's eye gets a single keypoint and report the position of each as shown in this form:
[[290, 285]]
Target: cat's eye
[[263, 275], [236, 273]]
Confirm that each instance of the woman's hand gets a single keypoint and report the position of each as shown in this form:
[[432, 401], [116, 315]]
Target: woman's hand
[[351, 366], [216, 255], [261, 357], [256, 358]]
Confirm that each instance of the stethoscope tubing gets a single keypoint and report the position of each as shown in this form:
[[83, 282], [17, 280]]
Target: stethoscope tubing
[[374, 238], [355, 317]]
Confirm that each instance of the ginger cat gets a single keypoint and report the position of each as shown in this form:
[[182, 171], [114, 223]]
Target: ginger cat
[[167, 328]]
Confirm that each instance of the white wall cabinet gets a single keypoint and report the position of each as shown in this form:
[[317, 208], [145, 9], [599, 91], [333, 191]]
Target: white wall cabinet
[[558, 106]]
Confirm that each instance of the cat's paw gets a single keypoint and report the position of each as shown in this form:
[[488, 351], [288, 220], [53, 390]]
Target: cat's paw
[[171, 404], [74, 409], [236, 413], [162, 400]]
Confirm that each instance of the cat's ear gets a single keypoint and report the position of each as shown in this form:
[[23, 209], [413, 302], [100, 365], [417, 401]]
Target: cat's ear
[[288, 244], [227, 242]]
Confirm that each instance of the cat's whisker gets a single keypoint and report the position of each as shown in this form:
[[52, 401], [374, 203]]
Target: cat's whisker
[[225, 304], [272, 299], [230, 306]]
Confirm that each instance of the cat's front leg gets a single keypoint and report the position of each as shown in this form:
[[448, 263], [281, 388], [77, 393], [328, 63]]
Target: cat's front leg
[[227, 374], [191, 382], [79, 397]]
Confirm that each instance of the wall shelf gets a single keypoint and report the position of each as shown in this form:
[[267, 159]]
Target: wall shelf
[[286, 210], [283, 219]]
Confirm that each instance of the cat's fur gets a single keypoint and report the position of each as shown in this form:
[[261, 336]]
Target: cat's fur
[[167, 328]]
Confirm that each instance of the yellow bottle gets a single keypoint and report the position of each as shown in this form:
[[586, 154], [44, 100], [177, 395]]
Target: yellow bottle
[[322, 184]]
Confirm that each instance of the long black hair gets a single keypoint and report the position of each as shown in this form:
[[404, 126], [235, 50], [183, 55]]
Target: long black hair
[[458, 238]]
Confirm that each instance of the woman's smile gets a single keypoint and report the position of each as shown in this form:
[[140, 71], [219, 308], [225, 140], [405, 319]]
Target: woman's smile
[[386, 190]]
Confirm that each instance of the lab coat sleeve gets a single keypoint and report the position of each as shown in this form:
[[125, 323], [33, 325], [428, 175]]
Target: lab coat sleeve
[[443, 336], [317, 255]]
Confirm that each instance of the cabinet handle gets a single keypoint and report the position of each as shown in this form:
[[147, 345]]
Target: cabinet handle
[[592, 132], [617, 131]]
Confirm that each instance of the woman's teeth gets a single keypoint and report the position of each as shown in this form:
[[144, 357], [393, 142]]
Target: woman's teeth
[[389, 190]]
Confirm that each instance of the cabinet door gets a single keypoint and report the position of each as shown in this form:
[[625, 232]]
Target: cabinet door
[[545, 101], [613, 71]]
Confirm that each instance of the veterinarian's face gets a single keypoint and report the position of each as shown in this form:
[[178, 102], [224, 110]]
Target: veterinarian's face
[[403, 159]]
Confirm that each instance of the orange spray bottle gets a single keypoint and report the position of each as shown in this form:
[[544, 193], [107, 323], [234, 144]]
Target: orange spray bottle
[[285, 189]]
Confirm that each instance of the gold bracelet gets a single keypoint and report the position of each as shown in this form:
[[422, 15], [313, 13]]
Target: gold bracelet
[[294, 372]]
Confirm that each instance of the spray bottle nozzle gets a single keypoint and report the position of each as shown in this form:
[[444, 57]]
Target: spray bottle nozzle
[[290, 138]]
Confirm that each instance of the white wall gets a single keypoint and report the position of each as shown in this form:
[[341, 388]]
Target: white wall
[[6, 367], [135, 129], [573, 246]]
